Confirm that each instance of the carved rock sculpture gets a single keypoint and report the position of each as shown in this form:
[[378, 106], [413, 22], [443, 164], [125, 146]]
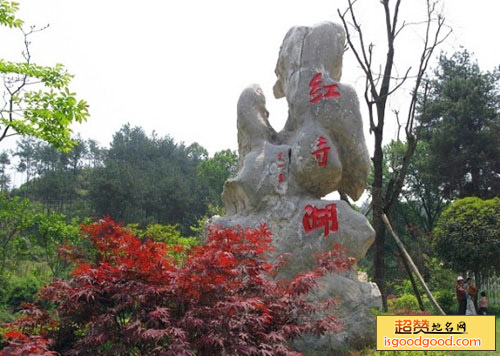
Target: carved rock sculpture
[[283, 175]]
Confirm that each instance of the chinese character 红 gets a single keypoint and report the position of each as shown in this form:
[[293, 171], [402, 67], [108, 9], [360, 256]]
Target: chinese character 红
[[319, 91]]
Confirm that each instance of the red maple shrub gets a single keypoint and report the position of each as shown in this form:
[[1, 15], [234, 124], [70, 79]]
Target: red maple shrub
[[22, 345], [35, 325], [222, 300]]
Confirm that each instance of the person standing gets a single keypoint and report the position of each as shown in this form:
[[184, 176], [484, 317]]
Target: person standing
[[470, 294], [483, 304], [461, 295]]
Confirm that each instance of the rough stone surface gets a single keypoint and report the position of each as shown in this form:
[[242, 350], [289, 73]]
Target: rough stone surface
[[283, 175]]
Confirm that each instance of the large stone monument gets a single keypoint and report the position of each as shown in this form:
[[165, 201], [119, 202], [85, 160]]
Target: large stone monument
[[283, 175]]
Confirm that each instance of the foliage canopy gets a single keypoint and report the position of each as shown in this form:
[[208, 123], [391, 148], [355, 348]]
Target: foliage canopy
[[467, 235], [37, 99], [461, 128]]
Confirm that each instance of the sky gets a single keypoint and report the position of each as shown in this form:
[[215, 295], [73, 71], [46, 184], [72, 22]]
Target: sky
[[178, 67]]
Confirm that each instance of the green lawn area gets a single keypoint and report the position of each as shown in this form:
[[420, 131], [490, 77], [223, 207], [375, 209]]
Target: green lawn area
[[372, 352]]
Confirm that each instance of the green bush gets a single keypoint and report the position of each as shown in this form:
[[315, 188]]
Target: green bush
[[406, 304], [494, 309], [168, 234], [406, 301], [446, 299], [403, 287], [5, 316], [22, 289], [391, 306]]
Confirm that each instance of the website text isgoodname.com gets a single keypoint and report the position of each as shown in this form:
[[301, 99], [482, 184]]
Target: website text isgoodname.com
[[425, 342]]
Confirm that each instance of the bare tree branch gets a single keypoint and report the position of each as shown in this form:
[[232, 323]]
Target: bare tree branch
[[396, 113], [378, 88], [365, 63]]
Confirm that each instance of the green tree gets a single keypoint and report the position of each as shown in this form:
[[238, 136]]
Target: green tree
[[215, 171], [423, 190], [409, 215], [37, 99], [149, 180], [16, 217], [47, 233], [29, 250], [58, 180], [382, 81], [422, 194], [4, 177], [29, 234], [467, 235], [26, 151], [462, 126], [8, 14], [95, 154]]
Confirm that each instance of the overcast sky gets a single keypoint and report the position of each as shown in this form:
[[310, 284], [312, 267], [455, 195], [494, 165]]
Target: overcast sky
[[178, 67]]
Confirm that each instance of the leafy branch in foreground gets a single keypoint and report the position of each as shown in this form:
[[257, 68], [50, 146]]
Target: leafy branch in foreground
[[36, 99]]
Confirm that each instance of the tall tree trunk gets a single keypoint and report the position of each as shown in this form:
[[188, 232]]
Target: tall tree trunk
[[379, 262], [380, 85], [378, 223]]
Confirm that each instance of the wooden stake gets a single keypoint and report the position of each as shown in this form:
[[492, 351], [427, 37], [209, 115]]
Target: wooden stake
[[414, 268]]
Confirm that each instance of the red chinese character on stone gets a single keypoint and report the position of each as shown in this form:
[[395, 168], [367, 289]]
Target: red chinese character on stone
[[332, 91], [319, 91], [316, 92], [321, 153], [325, 218], [281, 165]]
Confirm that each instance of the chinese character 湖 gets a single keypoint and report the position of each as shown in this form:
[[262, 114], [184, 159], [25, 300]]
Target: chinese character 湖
[[315, 218]]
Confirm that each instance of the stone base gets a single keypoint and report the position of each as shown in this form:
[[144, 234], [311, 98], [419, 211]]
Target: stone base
[[356, 299], [356, 296]]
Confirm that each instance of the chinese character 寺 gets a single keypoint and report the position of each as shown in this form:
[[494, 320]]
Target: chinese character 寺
[[321, 153], [320, 91], [403, 326], [420, 326], [315, 218]]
